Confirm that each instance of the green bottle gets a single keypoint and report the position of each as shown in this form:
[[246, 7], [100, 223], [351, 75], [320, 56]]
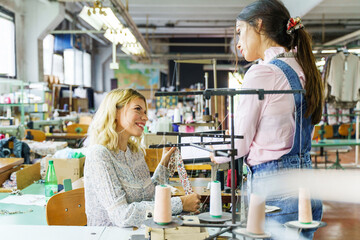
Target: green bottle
[[51, 185]]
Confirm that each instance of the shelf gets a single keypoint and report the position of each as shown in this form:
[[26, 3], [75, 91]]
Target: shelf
[[196, 124], [14, 82], [17, 104]]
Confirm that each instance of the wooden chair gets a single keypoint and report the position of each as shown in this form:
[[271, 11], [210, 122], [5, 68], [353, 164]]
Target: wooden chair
[[347, 130], [77, 128], [67, 208], [36, 135], [328, 132]]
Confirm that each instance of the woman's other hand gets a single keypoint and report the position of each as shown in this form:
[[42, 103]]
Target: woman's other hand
[[212, 156], [191, 202], [166, 156]]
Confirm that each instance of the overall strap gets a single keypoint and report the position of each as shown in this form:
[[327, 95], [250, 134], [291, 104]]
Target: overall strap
[[302, 137]]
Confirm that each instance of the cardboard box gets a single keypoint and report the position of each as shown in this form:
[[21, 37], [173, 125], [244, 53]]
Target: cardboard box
[[26, 174], [154, 139], [82, 103], [65, 168], [152, 158]]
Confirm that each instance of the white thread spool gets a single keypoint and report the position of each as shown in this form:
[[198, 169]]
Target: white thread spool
[[177, 118], [305, 212], [256, 215], [162, 209], [215, 200]]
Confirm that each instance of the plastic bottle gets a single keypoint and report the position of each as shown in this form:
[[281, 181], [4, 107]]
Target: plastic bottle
[[51, 184]]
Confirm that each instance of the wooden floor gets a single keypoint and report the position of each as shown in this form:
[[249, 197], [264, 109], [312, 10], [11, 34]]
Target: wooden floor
[[343, 219], [343, 222]]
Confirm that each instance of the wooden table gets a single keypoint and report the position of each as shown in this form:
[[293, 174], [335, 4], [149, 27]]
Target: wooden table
[[66, 136], [33, 224], [8, 163]]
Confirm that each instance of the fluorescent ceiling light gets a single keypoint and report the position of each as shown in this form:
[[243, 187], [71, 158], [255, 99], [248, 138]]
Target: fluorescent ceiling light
[[100, 18], [328, 51], [354, 50], [133, 49], [104, 18]]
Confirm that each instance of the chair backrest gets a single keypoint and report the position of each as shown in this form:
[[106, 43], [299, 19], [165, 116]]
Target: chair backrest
[[77, 128], [344, 129], [67, 208], [328, 132], [38, 135]]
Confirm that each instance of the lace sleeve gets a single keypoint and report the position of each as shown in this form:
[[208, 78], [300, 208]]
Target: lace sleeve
[[101, 176], [161, 175]]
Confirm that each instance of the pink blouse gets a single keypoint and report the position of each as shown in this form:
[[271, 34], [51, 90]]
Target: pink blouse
[[268, 125]]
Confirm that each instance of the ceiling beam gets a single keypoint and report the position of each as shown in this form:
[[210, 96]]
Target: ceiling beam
[[344, 39]]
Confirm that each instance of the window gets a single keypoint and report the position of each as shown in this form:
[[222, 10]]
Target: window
[[7, 43]]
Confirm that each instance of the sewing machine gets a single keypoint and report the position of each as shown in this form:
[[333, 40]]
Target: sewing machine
[[39, 124], [13, 130], [65, 119]]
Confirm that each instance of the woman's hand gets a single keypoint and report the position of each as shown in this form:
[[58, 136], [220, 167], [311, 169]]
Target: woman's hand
[[191, 202], [212, 157], [166, 156]]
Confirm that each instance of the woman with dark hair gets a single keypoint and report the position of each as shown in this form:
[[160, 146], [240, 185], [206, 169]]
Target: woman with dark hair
[[278, 129]]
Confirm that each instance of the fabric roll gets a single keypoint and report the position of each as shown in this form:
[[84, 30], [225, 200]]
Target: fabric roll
[[176, 163]]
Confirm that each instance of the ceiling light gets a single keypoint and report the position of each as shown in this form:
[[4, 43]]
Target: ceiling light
[[354, 50], [328, 51], [104, 18], [100, 18], [133, 49]]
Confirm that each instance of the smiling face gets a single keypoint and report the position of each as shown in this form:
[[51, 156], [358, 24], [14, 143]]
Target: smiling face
[[131, 119], [249, 41]]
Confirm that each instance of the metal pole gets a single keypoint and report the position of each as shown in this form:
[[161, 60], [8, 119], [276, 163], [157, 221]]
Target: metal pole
[[357, 134], [215, 87], [233, 200], [177, 87]]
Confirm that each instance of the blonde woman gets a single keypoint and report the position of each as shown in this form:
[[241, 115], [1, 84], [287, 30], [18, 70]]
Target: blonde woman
[[118, 187]]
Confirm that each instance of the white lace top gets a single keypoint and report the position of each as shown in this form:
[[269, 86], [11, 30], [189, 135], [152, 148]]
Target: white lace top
[[118, 187]]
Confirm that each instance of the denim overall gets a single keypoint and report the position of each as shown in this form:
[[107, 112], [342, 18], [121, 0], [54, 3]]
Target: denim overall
[[259, 175]]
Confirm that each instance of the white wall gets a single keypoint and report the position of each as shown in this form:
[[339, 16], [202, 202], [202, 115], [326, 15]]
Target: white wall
[[101, 69], [34, 19], [40, 17]]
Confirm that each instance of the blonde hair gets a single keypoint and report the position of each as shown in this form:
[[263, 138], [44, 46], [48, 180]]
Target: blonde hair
[[103, 127]]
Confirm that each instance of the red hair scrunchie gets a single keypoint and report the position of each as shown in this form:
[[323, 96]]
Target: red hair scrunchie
[[293, 25]]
